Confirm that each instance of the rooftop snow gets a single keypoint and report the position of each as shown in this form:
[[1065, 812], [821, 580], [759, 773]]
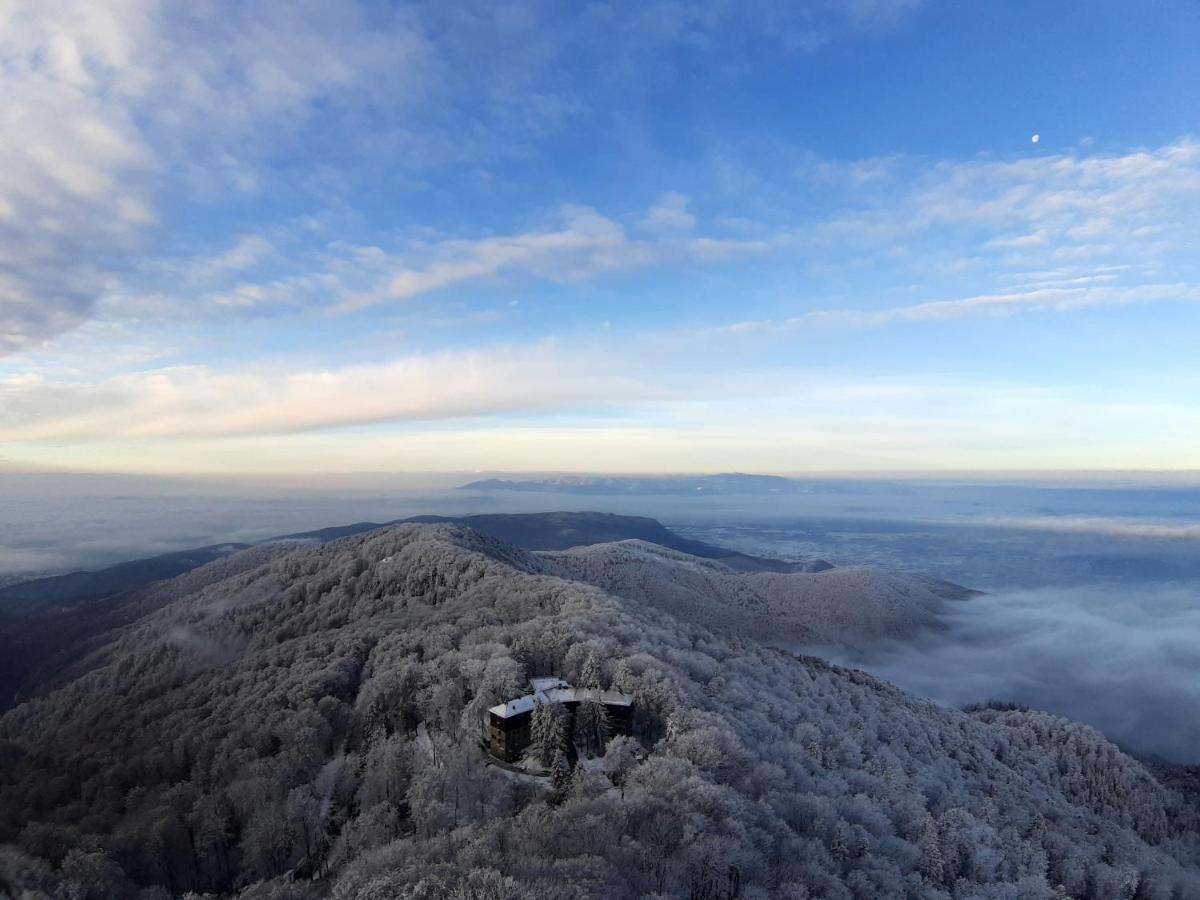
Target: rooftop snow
[[555, 690]]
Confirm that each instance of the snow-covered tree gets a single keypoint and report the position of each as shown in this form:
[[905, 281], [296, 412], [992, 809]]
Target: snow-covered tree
[[548, 731], [322, 716]]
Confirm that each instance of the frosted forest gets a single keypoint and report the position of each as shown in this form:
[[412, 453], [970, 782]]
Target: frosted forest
[[302, 721]]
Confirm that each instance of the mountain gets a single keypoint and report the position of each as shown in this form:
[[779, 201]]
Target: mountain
[[302, 720], [44, 594], [40, 652], [533, 531], [702, 485], [847, 606], [562, 530], [61, 619]]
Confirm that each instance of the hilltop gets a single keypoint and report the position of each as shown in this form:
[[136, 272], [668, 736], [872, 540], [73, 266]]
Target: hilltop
[[532, 531], [850, 606], [301, 721]]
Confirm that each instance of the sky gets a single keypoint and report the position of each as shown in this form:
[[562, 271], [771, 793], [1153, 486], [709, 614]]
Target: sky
[[828, 235]]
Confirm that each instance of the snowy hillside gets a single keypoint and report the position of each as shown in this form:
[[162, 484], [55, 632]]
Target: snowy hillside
[[850, 606], [306, 725]]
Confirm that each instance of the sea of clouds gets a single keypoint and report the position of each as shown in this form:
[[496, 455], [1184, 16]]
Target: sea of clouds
[[1122, 658]]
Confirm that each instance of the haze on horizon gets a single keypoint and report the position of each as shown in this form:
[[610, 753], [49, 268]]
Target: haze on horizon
[[299, 237]]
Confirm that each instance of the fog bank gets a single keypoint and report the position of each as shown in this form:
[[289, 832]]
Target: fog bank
[[1125, 659]]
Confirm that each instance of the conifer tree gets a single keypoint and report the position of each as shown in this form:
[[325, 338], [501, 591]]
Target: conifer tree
[[548, 731], [591, 724], [560, 774], [589, 678]]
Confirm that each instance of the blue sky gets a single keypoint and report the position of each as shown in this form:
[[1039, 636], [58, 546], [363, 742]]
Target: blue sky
[[813, 236]]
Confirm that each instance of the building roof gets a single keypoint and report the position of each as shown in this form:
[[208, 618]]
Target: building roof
[[514, 707], [537, 685], [555, 690]]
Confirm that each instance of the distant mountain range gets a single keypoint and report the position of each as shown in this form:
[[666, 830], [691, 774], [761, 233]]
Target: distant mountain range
[[678, 485]]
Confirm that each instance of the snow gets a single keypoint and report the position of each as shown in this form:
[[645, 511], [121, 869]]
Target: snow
[[591, 764], [849, 606], [537, 685], [816, 779], [555, 690], [424, 742], [514, 707]]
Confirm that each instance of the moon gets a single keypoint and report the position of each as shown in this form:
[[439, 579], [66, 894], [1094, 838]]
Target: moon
[[1036, 138]]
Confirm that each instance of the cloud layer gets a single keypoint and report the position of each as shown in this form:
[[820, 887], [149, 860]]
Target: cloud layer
[[235, 221], [109, 105], [115, 112], [1121, 659], [1054, 233], [197, 401]]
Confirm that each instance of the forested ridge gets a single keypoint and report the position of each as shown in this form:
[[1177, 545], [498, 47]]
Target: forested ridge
[[297, 722], [850, 606], [44, 596]]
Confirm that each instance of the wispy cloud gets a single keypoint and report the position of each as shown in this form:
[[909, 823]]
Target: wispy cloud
[[257, 275], [592, 409], [1075, 205], [642, 404], [114, 111], [585, 245], [102, 101], [258, 219], [197, 400], [1046, 299], [1056, 233], [1043, 299]]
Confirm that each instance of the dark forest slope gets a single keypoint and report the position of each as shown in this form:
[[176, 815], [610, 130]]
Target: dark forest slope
[[40, 595], [315, 713], [563, 530]]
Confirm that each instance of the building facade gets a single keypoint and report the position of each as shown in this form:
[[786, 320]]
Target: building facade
[[507, 726]]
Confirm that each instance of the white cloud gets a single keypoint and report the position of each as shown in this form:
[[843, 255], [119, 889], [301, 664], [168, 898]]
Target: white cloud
[[1140, 202], [586, 242], [104, 101], [343, 277], [1052, 298], [663, 431], [196, 400], [585, 245], [245, 252], [631, 406], [1057, 299], [1059, 233], [74, 172], [297, 269], [109, 106], [670, 213]]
